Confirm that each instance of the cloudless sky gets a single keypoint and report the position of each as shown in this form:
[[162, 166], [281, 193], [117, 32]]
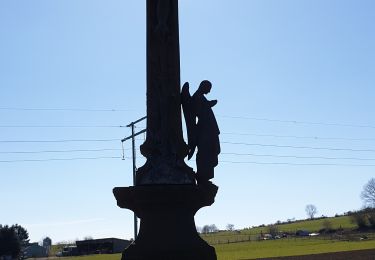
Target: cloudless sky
[[293, 78]]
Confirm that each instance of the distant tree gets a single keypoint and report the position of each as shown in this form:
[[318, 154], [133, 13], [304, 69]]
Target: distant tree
[[23, 237], [88, 238], [206, 229], [360, 219], [371, 218], [213, 228], [230, 227], [273, 230], [9, 243], [209, 229], [368, 193], [22, 234], [311, 210]]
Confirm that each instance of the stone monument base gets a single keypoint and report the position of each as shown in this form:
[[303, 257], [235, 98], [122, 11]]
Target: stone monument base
[[167, 230]]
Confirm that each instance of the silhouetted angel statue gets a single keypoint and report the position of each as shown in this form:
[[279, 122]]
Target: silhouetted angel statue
[[205, 133]]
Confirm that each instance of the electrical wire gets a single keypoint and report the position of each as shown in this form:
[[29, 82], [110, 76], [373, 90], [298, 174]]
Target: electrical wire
[[66, 109], [62, 126], [228, 153], [299, 137], [223, 133], [61, 151], [298, 164], [62, 159], [222, 116], [221, 161], [59, 141], [301, 147], [296, 122], [300, 157]]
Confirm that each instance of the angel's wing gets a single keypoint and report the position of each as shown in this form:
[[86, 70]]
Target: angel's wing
[[189, 115]]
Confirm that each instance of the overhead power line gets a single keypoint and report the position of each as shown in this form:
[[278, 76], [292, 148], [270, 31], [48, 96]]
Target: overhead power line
[[232, 162], [296, 122], [223, 133], [61, 151], [298, 164], [61, 159], [62, 126], [59, 141], [300, 157], [66, 109], [233, 143], [299, 137], [223, 116], [294, 156], [301, 147], [123, 110]]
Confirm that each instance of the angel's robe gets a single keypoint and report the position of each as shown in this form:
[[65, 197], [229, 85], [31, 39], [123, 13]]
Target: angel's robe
[[207, 136]]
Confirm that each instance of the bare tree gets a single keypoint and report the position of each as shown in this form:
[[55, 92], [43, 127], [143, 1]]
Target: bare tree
[[209, 229], [311, 210], [214, 228], [230, 227], [206, 229], [368, 193]]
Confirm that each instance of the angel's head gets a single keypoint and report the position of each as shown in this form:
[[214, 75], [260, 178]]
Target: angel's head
[[205, 87]]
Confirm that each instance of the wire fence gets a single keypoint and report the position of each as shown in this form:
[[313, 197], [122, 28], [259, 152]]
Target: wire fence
[[237, 237]]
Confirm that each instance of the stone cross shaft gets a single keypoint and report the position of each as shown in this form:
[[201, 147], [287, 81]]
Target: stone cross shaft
[[165, 193], [164, 148]]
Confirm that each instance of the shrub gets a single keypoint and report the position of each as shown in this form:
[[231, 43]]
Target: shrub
[[360, 219], [371, 219]]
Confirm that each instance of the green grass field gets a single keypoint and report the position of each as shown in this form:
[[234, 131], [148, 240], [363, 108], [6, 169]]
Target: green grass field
[[271, 248], [253, 233], [229, 246], [94, 257]]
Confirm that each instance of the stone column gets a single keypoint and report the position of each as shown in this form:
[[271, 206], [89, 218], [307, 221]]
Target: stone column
[[165, 196], [164, 147]]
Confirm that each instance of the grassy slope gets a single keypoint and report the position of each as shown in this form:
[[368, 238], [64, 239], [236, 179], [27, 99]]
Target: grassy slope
[[281, 247], [316, 225], [253, 250], [310, 225]]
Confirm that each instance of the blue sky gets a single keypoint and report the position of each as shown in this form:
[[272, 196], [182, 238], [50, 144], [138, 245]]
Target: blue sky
[[284, 72]]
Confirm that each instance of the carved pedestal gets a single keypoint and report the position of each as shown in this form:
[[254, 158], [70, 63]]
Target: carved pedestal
[[167, 230]]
